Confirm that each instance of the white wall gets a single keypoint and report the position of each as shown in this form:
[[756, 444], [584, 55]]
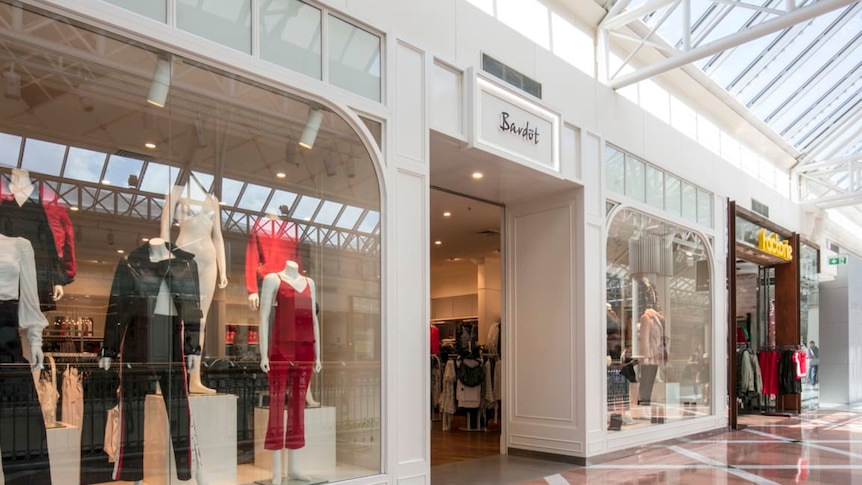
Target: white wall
[[841, 335], [454, 280]]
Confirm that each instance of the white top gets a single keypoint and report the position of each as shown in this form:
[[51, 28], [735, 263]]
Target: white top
[[18, 282]]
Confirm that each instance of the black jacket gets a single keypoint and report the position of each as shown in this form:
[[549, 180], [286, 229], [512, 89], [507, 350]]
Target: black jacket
[[131, 330]]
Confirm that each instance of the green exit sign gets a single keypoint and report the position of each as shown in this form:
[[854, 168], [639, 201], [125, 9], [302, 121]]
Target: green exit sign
[[838, 260]]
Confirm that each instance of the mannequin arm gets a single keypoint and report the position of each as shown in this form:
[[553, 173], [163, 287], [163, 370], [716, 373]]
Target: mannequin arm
[[218, 240], [317, 365], [268, 289]]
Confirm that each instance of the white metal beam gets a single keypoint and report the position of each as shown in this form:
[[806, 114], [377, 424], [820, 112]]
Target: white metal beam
[[616, 21], [786, 20]]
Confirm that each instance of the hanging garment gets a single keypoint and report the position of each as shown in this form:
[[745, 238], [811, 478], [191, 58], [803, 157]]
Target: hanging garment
[[647, 381], [487, 385], [73, 398], [800, 358], [447, 397], [769, 370], [788, 382], [271, 242], [498, 380], [469, 387], [436, 381], [493, 339], [112, 433], [291, 360], [48, 397], [434, 339]]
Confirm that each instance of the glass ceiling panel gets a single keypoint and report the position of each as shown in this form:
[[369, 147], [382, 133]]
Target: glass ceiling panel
[[328, 212], [306, 207], [254, 197], [205, 179], [10, 148], [158, 177], [84, 164], [349, 217], [279, 199], [44, 157], [119, 169], [370, 222], [230, 189]]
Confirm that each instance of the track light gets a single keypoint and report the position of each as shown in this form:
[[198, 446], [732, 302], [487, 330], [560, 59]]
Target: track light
[[329, 164], [85, 100], [200, 133], [161, 83], [12, 80], [290, 155], [309, 134]]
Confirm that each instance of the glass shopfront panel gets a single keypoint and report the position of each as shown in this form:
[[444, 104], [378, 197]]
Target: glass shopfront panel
[[659, 322], [202, 293]]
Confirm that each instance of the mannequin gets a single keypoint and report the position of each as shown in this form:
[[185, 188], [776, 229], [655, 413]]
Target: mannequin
[[19, 309], [200, 234], [22, 215], [152, 324], [290, 351]]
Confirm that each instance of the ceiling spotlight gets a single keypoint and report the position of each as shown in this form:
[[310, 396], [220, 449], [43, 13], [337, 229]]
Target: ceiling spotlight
[[150, 145], [447, 214], [312, 125], [438, 242], [161, 83], [329, 164], [200, 133], [12, 80], [478, 175]]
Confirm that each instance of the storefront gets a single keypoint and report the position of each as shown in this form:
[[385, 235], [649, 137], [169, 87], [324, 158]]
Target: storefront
[[661, 294], [194, 245], [774, 328]]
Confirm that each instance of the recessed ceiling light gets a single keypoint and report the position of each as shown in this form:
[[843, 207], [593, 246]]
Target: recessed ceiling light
[[145, 239], [447, 214], [150, 145], [73, 208], [120, 251], [280, 175], [106, 182], [437, 243], [478, 175]]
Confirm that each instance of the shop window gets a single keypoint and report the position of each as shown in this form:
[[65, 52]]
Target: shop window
[[227, 23], [169, 257], [635, 178], [290, 36], [659, 322], [689, 202], [672, 195], [655, 187], [615, 170], [354, 59]]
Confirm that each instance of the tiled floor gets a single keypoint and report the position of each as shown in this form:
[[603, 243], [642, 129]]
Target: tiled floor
[[816, 447]]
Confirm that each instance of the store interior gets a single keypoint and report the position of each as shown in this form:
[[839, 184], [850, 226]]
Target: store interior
[[465, 327]]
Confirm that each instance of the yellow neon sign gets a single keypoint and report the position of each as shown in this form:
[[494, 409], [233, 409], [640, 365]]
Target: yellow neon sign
[[770, 244]]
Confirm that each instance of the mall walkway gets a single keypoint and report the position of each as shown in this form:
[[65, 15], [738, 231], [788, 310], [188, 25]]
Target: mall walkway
[[817, 447]]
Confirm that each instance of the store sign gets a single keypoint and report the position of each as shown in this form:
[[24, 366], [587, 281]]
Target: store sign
[[772, 245], [514, 127], [838, 260]]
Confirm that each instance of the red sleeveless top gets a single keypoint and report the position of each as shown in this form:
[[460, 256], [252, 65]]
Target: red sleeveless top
[[294, 318]]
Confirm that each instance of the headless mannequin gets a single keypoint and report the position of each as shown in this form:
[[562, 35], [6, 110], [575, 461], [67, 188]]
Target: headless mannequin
[[159, 252], [200, 234], [22, 188], [269, 288], [254, 305]]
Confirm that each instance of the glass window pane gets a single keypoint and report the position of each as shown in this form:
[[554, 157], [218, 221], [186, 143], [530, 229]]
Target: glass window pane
[[281, 202], [43, 157], [370, 222], [655, 187], [230, 189], [228, 23], [204, 181], [254, 197], [10, 149], [634, 178], [328, 212], [290, 36], [689, 202], [354, 59], [119, 170], [672, 195], [154, 9], [704, 207], [614, 170], [306, 207], [349, 217], [84, 164], [158, 178]]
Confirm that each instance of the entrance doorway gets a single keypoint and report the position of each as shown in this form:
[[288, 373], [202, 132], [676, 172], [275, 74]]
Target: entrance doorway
[[465, 327]]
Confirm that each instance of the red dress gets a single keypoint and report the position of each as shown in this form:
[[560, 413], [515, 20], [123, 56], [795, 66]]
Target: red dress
[[291, 357], [271, 242]]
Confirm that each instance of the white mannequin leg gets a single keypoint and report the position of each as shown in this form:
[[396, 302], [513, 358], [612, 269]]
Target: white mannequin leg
[[293, 471], [276, 467], [309, 399], [195, 384]]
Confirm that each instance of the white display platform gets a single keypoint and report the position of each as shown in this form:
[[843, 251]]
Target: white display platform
[[64, 451], [214, 418], [318, 454]]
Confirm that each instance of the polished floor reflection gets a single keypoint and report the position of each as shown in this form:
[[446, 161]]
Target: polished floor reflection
[[816, 447]]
